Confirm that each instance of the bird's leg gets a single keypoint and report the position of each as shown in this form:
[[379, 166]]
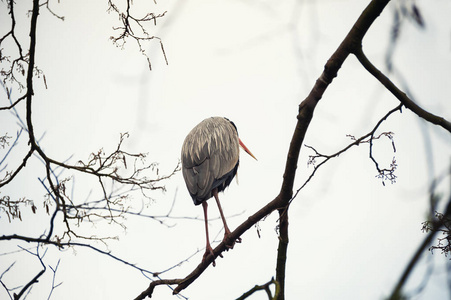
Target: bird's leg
[[208, 249], [226, 228]]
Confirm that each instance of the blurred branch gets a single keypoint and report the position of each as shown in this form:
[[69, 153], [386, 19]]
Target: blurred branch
[[404, 10], [27, 287], [8, 290], [431, 227], [441, 223], [54, 270]]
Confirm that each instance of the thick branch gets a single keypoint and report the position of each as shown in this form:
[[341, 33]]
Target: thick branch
[[234, 235], [282, 252], [33, 25]]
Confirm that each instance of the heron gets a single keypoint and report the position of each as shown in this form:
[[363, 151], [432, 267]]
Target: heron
[[210, 159]]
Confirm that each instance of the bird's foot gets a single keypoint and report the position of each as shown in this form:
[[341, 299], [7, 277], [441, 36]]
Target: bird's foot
[[228, 243], [209, 251]]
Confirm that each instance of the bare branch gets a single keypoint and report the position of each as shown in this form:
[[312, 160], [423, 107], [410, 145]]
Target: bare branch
[[47, 6], [132, 24], [282, 250], [54, 270], [12, 207], [9, 176], [402, 97], [64, 245], [12, 104], [35, 278], [8, 290], [367, 138], [155, 283], [264, 287], [431, 227]]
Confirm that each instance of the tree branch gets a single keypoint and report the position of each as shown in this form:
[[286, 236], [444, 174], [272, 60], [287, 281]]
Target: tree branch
[[126, 30], [35, 278], [30, 93], [367, 138], [13, 104], [62, 245], [400, 95], [432, 227], [282, 253], [264, 287]]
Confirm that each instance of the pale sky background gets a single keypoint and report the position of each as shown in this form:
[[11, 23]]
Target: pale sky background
[[253, 62]]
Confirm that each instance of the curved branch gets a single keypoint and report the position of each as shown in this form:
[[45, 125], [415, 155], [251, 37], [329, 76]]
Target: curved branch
[[264, 287], [12, 104], [10, 176], [400, 95], [148, 292], [367, 138]]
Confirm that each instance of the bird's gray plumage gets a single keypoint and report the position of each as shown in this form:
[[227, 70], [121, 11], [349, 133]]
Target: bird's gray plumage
[[210, 157]]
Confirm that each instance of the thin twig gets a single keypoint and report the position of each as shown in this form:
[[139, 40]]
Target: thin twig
[[362, 139]]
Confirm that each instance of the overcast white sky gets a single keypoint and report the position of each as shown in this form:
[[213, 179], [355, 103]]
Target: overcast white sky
[[253, 62]]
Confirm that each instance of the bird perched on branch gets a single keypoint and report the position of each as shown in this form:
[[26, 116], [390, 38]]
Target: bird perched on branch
[[210, 158]]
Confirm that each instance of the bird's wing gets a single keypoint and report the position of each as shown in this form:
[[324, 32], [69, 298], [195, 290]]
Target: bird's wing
[[197, 174], [207, 158], [224, 153]]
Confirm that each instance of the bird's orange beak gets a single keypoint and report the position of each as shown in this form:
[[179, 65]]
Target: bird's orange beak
[[246, 149]]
